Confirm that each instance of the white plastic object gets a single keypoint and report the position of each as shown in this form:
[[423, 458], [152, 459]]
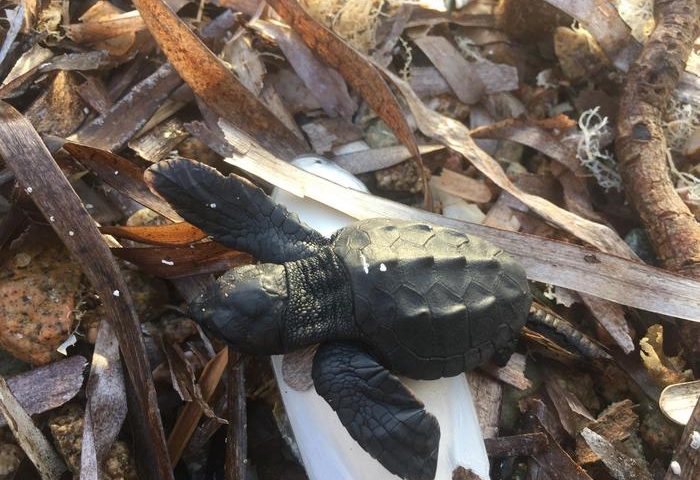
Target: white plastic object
[[326, 448]]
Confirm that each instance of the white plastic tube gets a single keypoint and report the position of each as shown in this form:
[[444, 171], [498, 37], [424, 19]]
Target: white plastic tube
[[328, 451]]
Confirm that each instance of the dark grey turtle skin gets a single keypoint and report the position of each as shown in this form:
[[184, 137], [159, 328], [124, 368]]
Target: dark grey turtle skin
[[381, 297]]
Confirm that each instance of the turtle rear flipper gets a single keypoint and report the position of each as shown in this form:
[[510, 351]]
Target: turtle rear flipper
[[233, 211], [378, 411]]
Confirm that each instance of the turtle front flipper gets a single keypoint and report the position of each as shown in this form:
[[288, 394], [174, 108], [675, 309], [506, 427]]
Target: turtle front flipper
[[379, 412], [233, 211]]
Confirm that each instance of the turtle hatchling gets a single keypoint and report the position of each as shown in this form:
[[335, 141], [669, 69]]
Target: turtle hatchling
[[383, 297]]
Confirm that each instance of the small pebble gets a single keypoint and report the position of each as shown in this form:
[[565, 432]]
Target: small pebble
[[676, 467], [116, 293]]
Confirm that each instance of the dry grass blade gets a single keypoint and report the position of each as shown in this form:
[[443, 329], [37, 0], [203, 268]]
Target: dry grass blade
[[214, 83], [191, 413], [121, 174], [569, 266], [45, 388], [357, 71], [172, 235], [455, 135], [29, 437], [106, 408], [56, 199]]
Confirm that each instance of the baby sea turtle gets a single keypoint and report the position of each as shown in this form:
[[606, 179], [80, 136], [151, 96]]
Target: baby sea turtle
[[381, 297]]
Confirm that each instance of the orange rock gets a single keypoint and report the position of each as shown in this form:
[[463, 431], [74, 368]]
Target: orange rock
[[38, 290]]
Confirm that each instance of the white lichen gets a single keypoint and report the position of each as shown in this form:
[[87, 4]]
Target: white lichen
[[406, 69], [589, 152], [680, 121], [639, 15]]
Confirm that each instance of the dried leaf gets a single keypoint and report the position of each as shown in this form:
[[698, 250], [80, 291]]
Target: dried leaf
[[125, 118], [374, 159], [29, 437], [612, 318], [122, 175], [456, 136], [176, 262], [467, 188], [213, 82], [105, 409], [189, 416], [356, 70], [323, 82], [176, 234], [459, 74], [45, 388], [55, 198]]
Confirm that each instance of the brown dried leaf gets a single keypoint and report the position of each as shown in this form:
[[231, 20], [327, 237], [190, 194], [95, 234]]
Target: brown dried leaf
[[214, 83], [466, 188], [570, 266], [323, 82], [460, 75], [176, 262], [189, 416], [612, 317], [45, 388], [456, 136], [120, 174], [125, 118], [176, 234], [356, 70], [55, 198]]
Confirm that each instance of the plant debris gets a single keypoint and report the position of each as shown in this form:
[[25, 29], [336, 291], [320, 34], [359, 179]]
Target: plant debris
[[564, 131]]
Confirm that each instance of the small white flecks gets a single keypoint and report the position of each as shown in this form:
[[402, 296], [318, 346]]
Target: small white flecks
[[52, 218], [226, 295], [71, 233], [116, 172], [89, 206], [695, 440], [212, 205], [167, 262], [365, 265], [204, 309], [382, 267], [86, 110], [116, 293], [29, 189], [676, 467]]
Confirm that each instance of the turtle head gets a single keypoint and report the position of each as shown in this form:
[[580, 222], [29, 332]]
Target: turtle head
[[245, 307]]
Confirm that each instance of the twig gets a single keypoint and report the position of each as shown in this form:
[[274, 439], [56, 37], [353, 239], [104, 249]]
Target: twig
[[641, 145], [237, 443]]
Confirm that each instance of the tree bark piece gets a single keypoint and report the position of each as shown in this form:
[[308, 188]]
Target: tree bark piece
[[641, 146]]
